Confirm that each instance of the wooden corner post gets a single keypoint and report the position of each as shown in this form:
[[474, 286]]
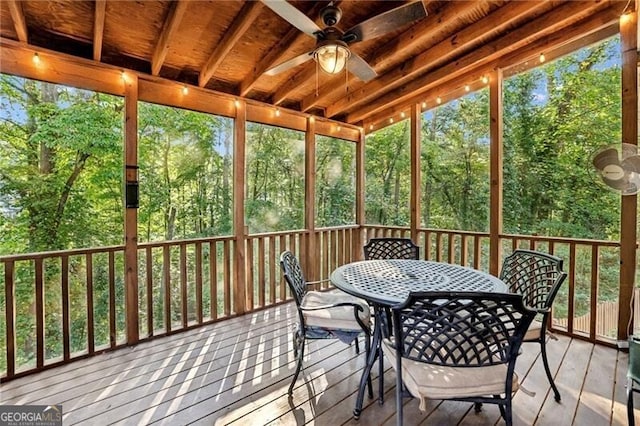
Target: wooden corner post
[[416, 120], [131, 207], [495, 172], [308, 244], [239, 142], [358, 241], [629, 205]]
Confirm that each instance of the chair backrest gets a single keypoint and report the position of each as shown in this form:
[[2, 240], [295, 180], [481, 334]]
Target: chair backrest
[[293, 275], [391, 248], [461, 329], [633, 370], [536, 276]]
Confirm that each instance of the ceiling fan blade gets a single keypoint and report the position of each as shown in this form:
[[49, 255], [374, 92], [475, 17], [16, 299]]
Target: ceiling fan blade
[[360, 68], [293, 16], [291, 63], [385, 22]]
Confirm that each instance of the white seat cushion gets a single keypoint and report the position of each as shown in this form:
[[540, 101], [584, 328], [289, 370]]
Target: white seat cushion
[[341, 317], [533, 332], [427, 381]]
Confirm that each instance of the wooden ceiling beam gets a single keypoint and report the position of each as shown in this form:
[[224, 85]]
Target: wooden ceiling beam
[[283, 92], [277, 53], [243, 20], [98, 28], [596, 28], [560, 17], [176, 12], [438, 55], [19, 22], [385, 56]]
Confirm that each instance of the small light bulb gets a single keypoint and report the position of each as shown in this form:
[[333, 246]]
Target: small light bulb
[[36, 58], [467, 88], [185, 90], [338, 128], [424, 105], [277, 112], [123, 76], [485, 79], [625, 17], [236, 103], [438, 100], [542, 58], [370, 126], [402, 114], [391, 120], [312, 118]]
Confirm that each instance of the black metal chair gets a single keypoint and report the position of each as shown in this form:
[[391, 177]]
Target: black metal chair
[[391, 248], [537, 277], [458, 346], [324, 315]]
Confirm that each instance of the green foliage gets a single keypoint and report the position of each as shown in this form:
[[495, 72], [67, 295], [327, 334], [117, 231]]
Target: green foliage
[[387, 175], [335, 182]]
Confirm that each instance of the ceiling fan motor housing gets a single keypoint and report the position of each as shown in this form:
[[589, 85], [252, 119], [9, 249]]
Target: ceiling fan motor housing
[[331, 15]]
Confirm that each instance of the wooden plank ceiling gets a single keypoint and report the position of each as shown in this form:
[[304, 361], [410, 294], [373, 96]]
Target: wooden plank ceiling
[[228, 45]]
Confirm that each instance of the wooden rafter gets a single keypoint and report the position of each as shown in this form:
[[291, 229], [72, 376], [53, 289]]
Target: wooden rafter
[[384, 56], [98, 28], [598, 27], [283, 92], [436, 56], [176, 12], [17, 15], [241, 23], [549, 23], [277, 53]]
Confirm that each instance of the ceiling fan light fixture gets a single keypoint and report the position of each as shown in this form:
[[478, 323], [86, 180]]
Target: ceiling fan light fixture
[[332, 57]]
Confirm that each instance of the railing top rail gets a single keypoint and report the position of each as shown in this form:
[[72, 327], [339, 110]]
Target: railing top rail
[[279, 233], [153, 244], [566, 240], [59, 253]]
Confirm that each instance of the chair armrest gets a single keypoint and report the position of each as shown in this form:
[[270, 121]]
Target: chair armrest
[[334, 305], [313, 283]]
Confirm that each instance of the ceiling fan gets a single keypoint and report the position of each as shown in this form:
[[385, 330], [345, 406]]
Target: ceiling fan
[[619, 167], [332, 45]]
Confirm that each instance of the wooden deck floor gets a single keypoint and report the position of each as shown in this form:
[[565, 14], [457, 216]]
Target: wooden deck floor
[[237, 372]]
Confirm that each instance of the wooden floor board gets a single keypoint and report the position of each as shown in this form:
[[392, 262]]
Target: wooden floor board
[[237, 372]]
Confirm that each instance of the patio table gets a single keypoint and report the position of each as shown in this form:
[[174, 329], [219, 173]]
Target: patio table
[[385, 283]]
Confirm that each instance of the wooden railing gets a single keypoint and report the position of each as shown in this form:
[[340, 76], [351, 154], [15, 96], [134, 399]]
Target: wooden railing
[[592, 267], [64, 305]]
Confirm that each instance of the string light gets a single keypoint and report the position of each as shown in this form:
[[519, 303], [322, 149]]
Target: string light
[[370, 126], [338, 128], [277, 112], [36, 58], [123, 75], [236, 103], [467, 88], [542, 58], [402, 114], [312, 118], [391, 120], [485, 79], [625, 17], [424, 105], [185, 90], [438, 100]]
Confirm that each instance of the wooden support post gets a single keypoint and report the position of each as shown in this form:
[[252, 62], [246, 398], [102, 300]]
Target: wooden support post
[[239, 141], [358, 241], [416, 121], [131, 208], [309, 251], [628, 214], [495, 172]]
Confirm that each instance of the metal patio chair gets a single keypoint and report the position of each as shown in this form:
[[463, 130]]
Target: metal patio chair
[[537, 277], [458, 346], [391, 248], [324, 315]]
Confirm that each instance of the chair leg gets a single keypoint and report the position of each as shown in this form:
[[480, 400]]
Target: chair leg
[[298, 366], [630, 416], [477, 407], [508, 418], [545, 362], [357, 346], [399, 419]]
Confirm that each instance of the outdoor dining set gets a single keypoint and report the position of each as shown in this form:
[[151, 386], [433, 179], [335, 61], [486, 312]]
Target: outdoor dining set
[[450, 332]]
